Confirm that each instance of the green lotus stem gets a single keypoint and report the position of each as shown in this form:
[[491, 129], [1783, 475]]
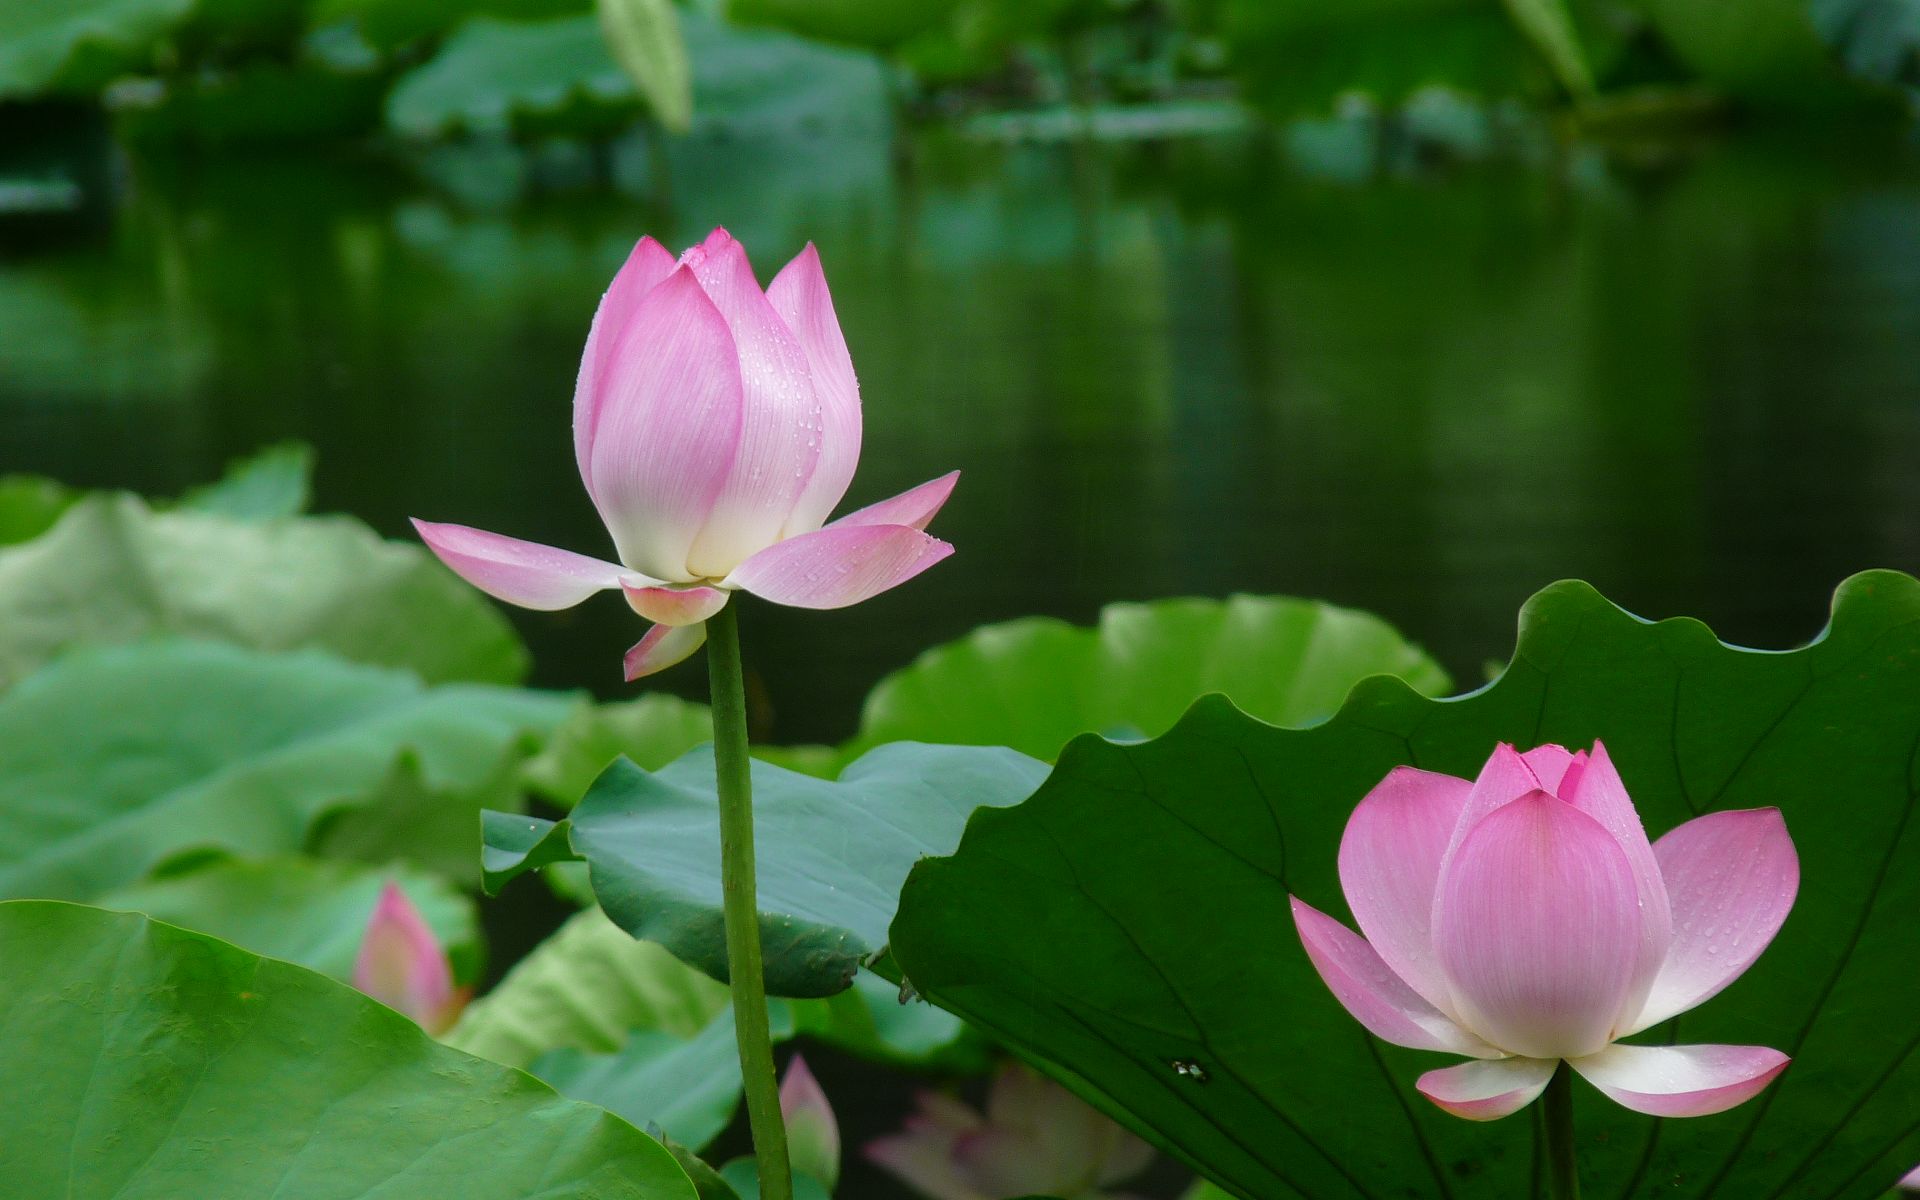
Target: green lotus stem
[[745, 975], [1563, 1177]]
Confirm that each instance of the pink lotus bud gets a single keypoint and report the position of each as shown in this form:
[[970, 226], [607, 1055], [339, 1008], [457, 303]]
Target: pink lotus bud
[[402, 965], [715, 426], [1036, 1139], [1910, 1182], [813, 1135], [1523, 919]]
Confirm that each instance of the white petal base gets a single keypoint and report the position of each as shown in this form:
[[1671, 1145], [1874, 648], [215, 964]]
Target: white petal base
[[1681, 1081], [1487, 1091]]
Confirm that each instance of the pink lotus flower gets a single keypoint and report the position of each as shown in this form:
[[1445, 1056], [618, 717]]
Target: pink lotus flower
[[715, 426], [1523, 919], [813, 1134], [1036, 1139], [402, 965]]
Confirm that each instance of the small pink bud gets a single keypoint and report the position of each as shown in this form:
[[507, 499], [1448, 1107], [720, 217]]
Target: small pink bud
[[402, 965], [813, 1135]]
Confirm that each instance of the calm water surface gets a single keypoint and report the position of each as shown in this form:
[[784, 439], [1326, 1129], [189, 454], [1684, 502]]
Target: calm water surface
[[1169, 369]]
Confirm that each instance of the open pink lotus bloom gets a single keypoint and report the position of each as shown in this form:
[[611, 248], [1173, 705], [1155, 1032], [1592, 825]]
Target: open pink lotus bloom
[[1036, 1139], [813, 1134], [402, 965], [716, 426], [1523, 919]]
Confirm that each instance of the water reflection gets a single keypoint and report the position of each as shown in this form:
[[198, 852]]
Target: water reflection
[[1164, 369]]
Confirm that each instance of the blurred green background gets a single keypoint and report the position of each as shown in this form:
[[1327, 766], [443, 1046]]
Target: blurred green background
[[1413, 305]]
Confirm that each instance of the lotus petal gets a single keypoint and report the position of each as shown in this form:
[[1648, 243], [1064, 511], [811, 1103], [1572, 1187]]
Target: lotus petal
[[1390, 860], [1489, 1089], [1731, 878], [1537, 926], [1681, 1081], [1368, 988], [524, 573], [835, 567]]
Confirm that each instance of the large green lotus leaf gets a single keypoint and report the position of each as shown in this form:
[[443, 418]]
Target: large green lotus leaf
[[113, 570], [117, 759], [1035, 684], [150, 1063], [77, 45], [832, 853], [687, 1087], [309, 911], [586, 988], [1129, 925], [533, 76]]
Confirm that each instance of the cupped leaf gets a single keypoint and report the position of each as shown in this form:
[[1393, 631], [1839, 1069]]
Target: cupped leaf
[[877, 23], [390, 24], [308, 911], [874, 1020], [591, 985], [652, 731], [1770, 53], [495, 76], [113, 570], [118, 759], [151, 1063], [1035, 684], [688, 1087], [1128, 926], [1877, 40], [428, 821], [274, 482], [587, 988], [1303, 55], [832, 853]]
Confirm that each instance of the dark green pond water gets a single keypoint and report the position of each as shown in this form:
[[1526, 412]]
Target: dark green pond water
[[1691, 378]]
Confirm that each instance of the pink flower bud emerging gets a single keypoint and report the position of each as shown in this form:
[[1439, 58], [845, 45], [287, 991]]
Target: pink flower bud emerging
[[715, 426], [1036, 1139], [1524, 919], [402, 965], [813, 1135]]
